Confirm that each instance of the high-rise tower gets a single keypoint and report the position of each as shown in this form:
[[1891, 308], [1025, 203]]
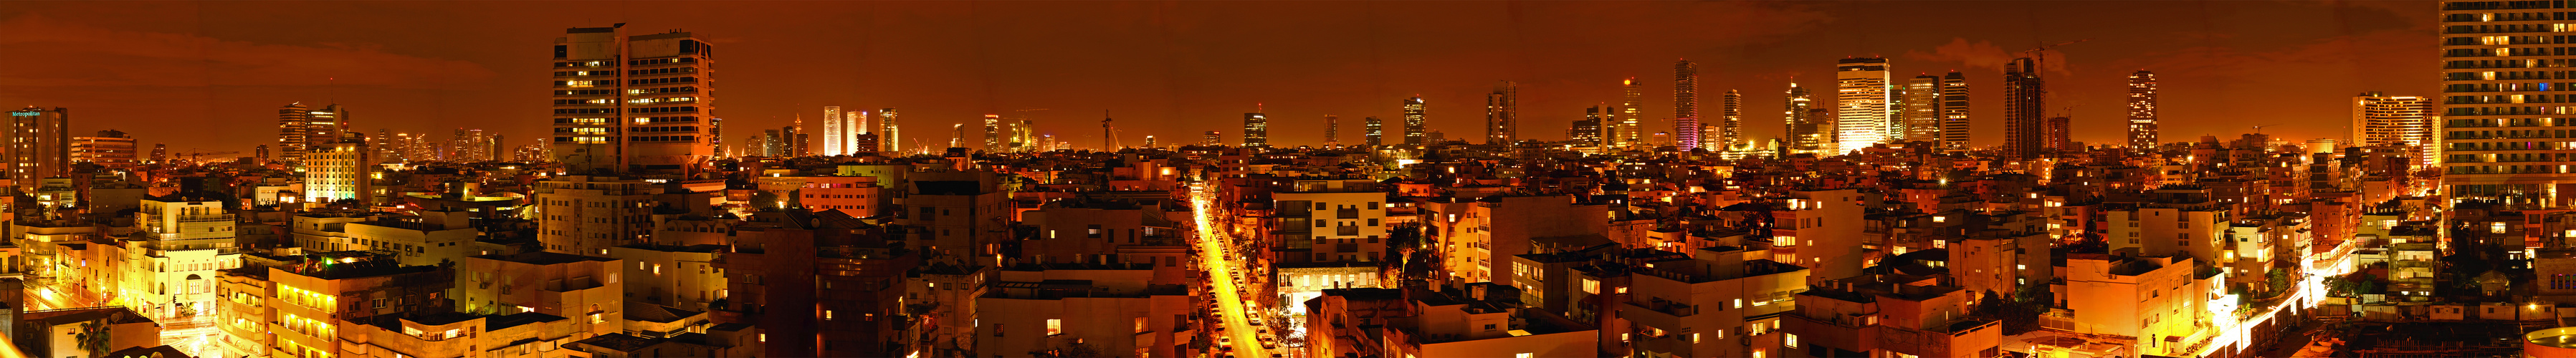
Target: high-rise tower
[[1921, 111], [2379, 119], [1332, 129], [290, 131], [1413, 120], [1586, 133], [1501, 110], [1628, 133], [632, 103], [993, 133], [2023, 123], [40, 145], [1733, 131], [1806, 135], [887, 132], [2142, 110], [1860, 103], [835, 135], [2058, 134], [1685, 105], [322, 126], [1373, 131], [1954, 112], [1256, 129], [2486, 109]]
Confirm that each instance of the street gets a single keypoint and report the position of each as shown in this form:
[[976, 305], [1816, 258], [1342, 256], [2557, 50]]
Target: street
[[1216, 257]]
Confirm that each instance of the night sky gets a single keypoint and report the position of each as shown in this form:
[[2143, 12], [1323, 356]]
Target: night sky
[[210, 75]]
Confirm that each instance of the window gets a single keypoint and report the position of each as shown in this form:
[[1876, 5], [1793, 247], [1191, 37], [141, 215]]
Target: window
[[1055, 326], [1789, 340], [1591, 286], [1524, 355]]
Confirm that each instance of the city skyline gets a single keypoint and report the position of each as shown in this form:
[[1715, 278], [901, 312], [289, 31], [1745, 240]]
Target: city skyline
[[1814, 179], [387, 76]]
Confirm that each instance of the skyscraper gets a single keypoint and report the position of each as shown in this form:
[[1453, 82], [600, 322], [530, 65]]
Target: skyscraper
[[1413, 120], [835, 135], [1256, 129], [1501, 110], [387, 149], [1954, 112], [993, 133], [2487, 90], [1804, 130], [1733, 131], [2379, 119], [322, 126], [2022, 122], [1860, 103], [1922, 109], [40, 145], [1373, 132], [1213, 138], [632, 103], [2058, 135], [887, 132], [1629, 134], [1332, 130], [290, 131], [2142, 110], [797, 136], [1586, 132], [1685, 105]]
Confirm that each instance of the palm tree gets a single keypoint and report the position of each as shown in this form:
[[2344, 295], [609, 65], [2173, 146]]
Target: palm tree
[[93, 337]]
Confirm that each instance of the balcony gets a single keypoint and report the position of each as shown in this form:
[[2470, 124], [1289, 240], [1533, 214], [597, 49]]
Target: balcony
[[191, 218]]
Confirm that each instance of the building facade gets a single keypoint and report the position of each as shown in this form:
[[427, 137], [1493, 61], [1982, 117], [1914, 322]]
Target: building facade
[[632, 103], [1861, 101]]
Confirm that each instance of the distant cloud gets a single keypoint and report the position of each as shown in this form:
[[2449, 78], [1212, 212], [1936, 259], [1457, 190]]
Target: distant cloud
[[76, 55], [1983, 55]]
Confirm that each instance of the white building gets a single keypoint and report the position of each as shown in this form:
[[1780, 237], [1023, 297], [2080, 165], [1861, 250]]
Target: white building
[[1861, 103]]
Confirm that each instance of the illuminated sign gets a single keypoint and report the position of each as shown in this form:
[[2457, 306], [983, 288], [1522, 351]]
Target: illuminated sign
[[26, 113]]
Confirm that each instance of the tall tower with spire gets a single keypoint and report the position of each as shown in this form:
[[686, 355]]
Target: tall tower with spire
[[1627, 134]]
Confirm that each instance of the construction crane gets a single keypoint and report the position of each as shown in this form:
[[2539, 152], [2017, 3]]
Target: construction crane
[[192, 156], [2040, 54]]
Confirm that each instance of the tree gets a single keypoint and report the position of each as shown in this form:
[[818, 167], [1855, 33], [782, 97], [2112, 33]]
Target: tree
[[2278, 280], [93, 337]]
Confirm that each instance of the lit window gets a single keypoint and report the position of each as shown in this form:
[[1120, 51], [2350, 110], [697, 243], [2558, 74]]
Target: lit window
[[1721, 334], [1790, 340], [1055, 326]]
